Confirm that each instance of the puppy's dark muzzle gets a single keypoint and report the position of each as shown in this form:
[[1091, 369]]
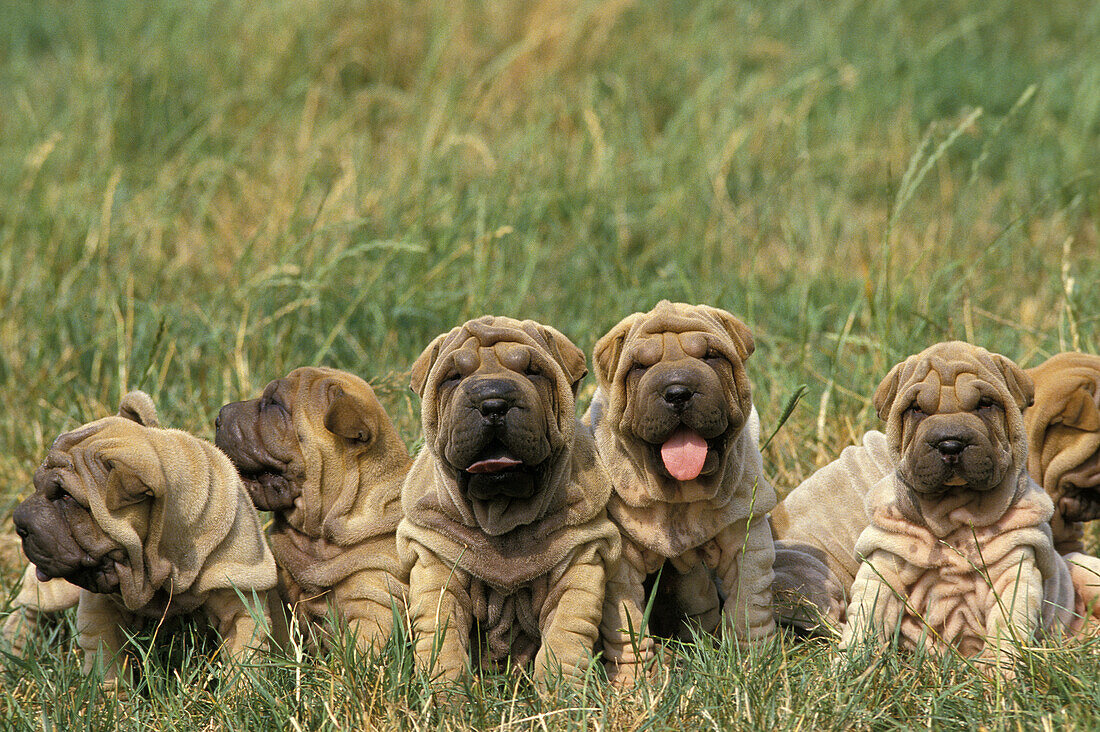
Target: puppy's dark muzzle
[[493, 398], [950, 449], [677, 396]]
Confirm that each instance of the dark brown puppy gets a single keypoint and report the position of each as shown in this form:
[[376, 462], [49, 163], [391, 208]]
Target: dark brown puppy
[[319, 451], [505, 532]]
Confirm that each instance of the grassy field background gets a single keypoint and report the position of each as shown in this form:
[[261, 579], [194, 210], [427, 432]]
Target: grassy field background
[[196, 197]]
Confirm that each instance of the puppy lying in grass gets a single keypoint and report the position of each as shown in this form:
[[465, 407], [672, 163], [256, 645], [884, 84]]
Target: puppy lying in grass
[[149, 523], [319, 451], [958, 552]]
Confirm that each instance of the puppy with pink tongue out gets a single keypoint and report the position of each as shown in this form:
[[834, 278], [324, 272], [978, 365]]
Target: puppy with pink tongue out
[[676, 430]]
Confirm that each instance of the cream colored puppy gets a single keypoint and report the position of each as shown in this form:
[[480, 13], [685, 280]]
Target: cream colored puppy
[[505, 533], [818, 523], [958, 552], [677, 431], [149, 523]]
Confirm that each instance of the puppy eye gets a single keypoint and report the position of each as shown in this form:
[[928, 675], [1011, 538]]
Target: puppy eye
[[272, 402], [713, 355], [915, 410], [451, 378], [532, 372], [58, 492], [986, 403], [638, 368]]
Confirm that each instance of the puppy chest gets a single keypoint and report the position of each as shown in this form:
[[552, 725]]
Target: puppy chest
[[947, 605], [506, 624]]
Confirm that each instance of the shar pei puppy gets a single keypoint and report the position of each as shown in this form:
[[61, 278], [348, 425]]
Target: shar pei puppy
[[148, 523], [505, 533], [818, 523], [676, 429], [958, 553], [1063, 442], [319, 451]]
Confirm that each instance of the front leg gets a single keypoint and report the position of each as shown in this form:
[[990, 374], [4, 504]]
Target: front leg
[[627, 647], [745, 570], [367, 601], [1016, 605], [440, 611], [570, 621], [99, 623], [875, 610], [235, 622]]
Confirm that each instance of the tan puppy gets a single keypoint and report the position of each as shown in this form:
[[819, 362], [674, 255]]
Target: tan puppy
[[958, 552], [149, 523], [676, 429], [505, 533], [318, 450], [1063, 441]]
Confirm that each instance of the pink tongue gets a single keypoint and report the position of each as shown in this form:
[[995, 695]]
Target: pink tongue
[[684, 454], [493, 465]]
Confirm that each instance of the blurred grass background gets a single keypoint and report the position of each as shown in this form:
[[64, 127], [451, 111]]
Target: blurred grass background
[[199, 196]]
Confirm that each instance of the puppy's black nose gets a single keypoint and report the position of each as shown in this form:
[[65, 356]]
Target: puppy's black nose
[[493, 407], [677, 394], [950, 447]]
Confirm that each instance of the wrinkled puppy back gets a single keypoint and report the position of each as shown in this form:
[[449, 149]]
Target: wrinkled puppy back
[[816, 528]]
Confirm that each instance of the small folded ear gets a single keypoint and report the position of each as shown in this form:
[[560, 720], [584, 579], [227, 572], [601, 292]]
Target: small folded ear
[[569, 357], [887, 391], [1080, 411], [350, 417], [423, 365], [1019, 384], [124, 485], [738, 332], [605, 356], [137, 406]]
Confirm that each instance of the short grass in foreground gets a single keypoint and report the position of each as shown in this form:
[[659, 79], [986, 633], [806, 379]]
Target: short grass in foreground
[[199, 196]]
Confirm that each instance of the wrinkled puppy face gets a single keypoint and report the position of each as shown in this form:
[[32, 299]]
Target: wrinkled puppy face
[[60, 535], [954, 417], [1064, 433], [498, 400], [259, 437], [678, 386], [262, 437]]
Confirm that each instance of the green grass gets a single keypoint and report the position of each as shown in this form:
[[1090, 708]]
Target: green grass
[[198, 197]]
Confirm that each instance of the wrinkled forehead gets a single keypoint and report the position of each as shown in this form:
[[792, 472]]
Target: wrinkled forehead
[[960, 381], [474, 353], [69, 440], [650, 346]]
